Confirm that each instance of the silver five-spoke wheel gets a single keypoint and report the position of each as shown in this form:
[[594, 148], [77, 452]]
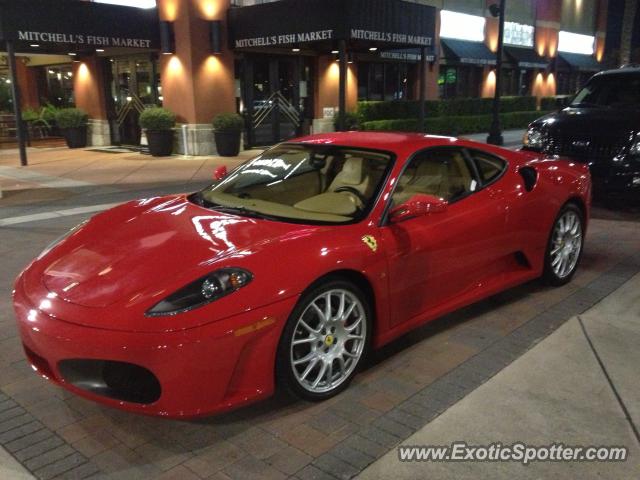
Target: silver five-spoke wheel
[[328, 340], [566, 244]]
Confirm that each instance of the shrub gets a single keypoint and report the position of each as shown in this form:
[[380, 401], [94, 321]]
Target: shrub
[[399, 109], [352, 121], [71, 118], [455, 125], [30, 115], [228, 122], [157, 118]]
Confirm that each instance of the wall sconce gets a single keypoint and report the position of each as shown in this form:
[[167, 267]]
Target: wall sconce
[[215, 36], [167, 38]]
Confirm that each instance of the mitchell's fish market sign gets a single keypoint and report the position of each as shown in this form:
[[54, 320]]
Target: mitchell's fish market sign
[[80, 39], [390, 37], [284, 39]]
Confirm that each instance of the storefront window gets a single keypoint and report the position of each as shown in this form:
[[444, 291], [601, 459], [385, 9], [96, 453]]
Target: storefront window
[[6, 104], [59, 86], [383, 81]]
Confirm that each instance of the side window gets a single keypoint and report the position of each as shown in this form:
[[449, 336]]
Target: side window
[[440, 172], [489, 167]]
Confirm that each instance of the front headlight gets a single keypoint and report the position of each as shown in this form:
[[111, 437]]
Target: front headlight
[[533, 139], [204, 290]]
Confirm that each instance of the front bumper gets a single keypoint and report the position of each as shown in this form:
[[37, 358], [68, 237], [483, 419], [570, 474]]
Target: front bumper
[[209, 369]]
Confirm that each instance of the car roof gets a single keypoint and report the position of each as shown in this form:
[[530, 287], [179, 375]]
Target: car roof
[[620, 71], [400, 143]]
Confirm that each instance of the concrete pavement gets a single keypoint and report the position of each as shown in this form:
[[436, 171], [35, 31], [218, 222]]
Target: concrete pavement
[[579, 386]]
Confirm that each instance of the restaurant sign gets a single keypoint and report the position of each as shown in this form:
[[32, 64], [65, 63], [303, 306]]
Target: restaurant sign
[[291, 22], [81, 24]]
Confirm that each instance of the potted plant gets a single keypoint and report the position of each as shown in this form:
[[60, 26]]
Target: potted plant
[[227, 130], [72, 122], [158, 123]]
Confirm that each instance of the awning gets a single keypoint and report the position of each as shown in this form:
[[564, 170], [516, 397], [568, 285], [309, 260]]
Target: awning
[[320, 23], [525, 57], [464, 51], [580, 62], [52, 26]]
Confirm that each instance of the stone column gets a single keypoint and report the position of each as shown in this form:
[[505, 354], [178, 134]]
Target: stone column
[[326, 91], [196, 84], [89, 93]]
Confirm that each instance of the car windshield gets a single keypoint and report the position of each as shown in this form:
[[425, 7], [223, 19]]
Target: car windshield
[[302, 183], [616, 91]]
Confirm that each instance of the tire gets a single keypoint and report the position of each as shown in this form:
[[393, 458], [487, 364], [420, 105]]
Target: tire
[[324, 346], [564, 247]]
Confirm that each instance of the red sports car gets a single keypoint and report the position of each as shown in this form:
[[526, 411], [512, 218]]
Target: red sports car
[[288, 270]]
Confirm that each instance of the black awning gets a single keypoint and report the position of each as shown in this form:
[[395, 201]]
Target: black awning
[[525, 57], [580, 62], [464, 51], [383, 23], [55, 25]]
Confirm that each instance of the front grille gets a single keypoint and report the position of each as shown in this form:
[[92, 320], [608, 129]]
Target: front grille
[[583, 147]]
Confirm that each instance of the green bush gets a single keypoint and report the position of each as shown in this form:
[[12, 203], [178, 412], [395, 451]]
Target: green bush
[[352, 121], [455, 125], [6, 102], [228, 122], [71, 118], [30, 115], [398, 109], [157, 118]]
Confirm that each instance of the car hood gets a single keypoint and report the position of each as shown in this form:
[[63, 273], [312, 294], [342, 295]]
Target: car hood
[[149, 244], [589, 121]]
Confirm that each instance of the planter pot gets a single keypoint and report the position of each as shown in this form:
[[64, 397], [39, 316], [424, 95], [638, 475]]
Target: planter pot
[[160, 142], [75, 137], [228, 143]]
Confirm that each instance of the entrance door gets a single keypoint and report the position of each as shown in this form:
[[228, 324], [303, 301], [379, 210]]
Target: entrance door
[[272, 99], [133, 87]]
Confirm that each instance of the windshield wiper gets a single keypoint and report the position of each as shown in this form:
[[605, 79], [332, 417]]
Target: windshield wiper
[[242, 211]]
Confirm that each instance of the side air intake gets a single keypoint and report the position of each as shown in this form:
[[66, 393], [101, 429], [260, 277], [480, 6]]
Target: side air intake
[[529, 176]]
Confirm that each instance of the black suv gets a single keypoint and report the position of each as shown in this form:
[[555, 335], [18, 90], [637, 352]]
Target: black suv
[[601, 126]]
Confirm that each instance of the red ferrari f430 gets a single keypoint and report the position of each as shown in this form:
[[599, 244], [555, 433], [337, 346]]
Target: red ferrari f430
[[287, 271]]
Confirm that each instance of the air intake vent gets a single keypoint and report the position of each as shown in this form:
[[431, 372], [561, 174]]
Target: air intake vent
[[530, 177]]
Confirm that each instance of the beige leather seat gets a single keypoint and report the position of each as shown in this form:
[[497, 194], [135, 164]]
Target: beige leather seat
[[352, 175], [430, 177]]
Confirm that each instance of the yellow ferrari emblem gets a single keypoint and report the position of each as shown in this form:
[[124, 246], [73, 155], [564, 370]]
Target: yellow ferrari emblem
[[328, 340], [370, 242]]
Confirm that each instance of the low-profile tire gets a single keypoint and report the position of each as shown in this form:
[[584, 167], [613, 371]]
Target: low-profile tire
[[565, 245], [319, 344]]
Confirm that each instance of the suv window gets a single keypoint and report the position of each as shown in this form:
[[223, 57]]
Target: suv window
[[443, 173], [617, 91], [489, 167]]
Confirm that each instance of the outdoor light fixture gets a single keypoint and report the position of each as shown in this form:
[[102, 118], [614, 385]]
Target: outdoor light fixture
[[167, 38], [215, 36], [494, 9], [34, 45], [373, 49], [99, 50], [335, 52], [72, 54], [295, 49]]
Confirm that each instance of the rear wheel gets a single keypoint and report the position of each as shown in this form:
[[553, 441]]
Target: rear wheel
[[565, 244], [324, 341]]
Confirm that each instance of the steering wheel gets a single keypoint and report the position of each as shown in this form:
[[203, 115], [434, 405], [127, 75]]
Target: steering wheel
[[354, 191]]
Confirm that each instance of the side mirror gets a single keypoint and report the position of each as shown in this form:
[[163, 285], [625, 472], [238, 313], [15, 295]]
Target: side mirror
[[417, 206], [219, 173]]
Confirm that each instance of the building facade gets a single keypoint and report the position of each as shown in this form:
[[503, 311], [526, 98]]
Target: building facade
[[278, 62]]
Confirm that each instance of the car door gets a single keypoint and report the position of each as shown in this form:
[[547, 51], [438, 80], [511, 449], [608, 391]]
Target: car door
[[435, 258]]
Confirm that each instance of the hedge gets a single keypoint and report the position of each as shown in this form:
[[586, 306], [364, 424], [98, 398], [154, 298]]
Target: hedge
[[554, 103], [402, 109], [455, 125]]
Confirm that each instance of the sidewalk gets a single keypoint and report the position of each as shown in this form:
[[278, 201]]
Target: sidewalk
[[512, 138], [555, 393]]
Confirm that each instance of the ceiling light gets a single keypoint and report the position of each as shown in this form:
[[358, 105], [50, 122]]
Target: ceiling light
[[295, 49], [34, 45], [373, 49], [99, 49], [72, 54]]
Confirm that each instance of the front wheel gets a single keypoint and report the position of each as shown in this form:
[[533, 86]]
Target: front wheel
[[565, 246], [324, 341]]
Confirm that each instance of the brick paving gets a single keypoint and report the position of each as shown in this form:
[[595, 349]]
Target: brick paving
[[405, 385]]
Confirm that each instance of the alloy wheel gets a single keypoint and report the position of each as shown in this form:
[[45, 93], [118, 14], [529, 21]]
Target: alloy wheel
[[566, 244], [328, 340]]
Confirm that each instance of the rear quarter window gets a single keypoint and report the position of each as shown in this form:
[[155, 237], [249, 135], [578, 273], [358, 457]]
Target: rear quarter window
[[489, 167]]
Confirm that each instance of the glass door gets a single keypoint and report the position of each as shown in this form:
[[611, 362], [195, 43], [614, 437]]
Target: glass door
[[134, 85], [272, 99]]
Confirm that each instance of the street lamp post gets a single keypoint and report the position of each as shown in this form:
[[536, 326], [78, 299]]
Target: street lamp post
[[495, 132]]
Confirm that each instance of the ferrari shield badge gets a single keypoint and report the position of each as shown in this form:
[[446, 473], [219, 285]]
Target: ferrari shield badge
[[370, 242]]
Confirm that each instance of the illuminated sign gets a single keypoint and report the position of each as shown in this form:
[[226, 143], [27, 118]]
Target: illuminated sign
[[461, 26], [518, 34], [576, 43]]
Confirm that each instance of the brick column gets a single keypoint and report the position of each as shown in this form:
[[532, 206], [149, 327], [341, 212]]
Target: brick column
[[28, 85], [196, 85], [89, 93], [326, 91], [548, 17]]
